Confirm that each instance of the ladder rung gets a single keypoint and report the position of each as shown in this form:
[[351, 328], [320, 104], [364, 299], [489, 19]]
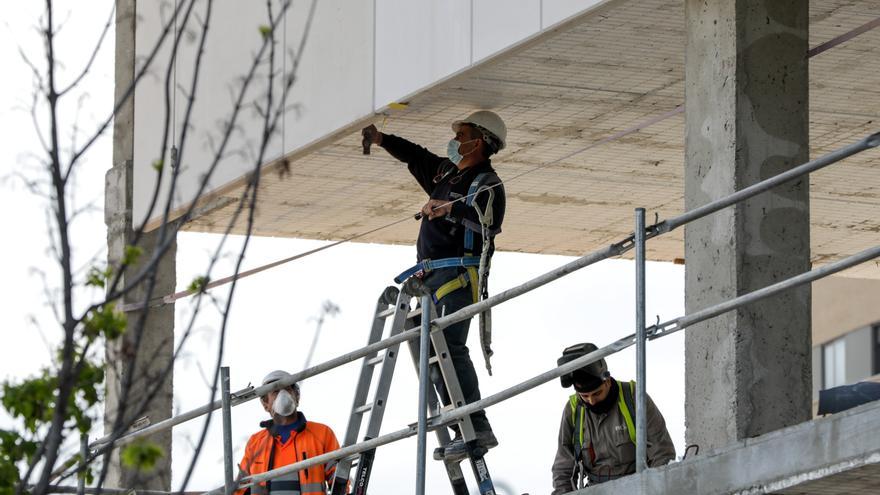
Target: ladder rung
[[376, 360], [385, 313], [433, 359], [364, 408], [447, 408]]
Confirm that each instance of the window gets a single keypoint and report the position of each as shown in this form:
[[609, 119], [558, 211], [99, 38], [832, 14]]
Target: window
[[834, 363]]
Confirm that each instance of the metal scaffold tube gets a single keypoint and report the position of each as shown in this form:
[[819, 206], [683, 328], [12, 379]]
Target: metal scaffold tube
[[641, 370], [424, 381], [683, 322], [227, 430], [871, 141]]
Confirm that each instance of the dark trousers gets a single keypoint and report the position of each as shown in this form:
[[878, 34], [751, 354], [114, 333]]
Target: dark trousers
[[456, 338]]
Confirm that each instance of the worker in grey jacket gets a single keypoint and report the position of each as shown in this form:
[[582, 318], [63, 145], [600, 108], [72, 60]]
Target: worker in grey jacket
[[597, 433]]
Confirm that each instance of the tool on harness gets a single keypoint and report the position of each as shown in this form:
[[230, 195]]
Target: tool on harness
[[477, 267]]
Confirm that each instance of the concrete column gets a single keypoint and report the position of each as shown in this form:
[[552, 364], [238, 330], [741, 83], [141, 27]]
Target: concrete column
[[748, 371], [153, 354]]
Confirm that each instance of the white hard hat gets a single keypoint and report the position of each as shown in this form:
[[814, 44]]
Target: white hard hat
[[487, 121], [279, 375], [275, 376]]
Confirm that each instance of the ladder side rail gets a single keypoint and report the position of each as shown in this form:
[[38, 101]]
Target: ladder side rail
[[387, 372], [355, 420], [380, 395]]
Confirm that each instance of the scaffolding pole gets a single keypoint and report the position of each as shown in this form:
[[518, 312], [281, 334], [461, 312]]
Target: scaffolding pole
[[871, 141], [641, 370], [424, 381], [227, 429], [672, 326]]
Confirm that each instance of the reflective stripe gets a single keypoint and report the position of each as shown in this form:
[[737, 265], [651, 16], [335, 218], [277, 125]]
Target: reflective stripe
[[313, 487], [624, 409], [286, 484], [577, 436]]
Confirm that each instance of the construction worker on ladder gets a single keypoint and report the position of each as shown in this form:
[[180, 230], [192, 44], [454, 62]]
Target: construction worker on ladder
[[597, 435], [459, 221], [285, 439]]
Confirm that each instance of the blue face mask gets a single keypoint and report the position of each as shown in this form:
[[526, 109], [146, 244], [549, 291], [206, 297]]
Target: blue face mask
[[452, 150]]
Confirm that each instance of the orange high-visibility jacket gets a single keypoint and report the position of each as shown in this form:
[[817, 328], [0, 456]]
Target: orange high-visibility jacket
[[306, 442]]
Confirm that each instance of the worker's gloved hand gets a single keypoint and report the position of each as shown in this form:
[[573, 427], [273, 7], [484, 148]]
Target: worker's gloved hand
[[371, 134], [436, 208]]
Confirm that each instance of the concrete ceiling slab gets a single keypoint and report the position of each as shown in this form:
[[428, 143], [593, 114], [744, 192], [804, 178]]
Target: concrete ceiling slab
[[565, 94]]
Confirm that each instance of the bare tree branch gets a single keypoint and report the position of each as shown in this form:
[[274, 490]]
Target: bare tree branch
[[94, 55]]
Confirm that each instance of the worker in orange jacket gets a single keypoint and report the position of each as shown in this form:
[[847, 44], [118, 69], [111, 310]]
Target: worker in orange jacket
[[285, 439]]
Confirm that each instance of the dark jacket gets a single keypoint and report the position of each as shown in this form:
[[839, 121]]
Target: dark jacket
[[608, 451], [444, 237]]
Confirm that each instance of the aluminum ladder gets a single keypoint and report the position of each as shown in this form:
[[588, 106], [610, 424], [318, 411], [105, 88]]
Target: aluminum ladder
[[395, 303]]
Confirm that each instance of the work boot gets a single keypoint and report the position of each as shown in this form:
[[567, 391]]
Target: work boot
[[456, 449]]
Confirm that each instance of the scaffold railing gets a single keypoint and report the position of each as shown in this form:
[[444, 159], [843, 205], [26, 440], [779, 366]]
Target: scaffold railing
[[637, 240]]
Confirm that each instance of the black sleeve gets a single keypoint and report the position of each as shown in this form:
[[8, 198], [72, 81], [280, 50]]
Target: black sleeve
[[461, 210], [422, 164]]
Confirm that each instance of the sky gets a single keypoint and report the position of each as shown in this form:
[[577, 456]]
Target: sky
[[272, 322]]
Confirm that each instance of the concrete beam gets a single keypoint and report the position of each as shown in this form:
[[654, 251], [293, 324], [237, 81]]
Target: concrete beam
[[748, 371], [791, 460], [145, 360]]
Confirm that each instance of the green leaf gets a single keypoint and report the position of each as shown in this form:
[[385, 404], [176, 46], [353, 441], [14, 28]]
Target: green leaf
[[141, 455], [198, 285], [32, 400], [13, 449], [265, 31], [104, 320], [132, 254], [97, 277], [158, 164]]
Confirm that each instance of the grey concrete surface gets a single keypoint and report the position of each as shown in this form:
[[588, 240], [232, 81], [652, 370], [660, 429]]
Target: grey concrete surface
[[747, 372], [144, 360], [839, 453]]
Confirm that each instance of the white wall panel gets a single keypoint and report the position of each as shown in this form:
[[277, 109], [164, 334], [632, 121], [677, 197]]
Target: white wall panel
[[335, 82], [417, 43], [501, 23], [333, 87], [554, 11]]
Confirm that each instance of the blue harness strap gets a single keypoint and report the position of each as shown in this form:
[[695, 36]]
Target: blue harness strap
[[472, 193], [428, 265]]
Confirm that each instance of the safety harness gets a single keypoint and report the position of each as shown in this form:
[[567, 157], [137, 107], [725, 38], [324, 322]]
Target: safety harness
[[626, 404], [477, 267]]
